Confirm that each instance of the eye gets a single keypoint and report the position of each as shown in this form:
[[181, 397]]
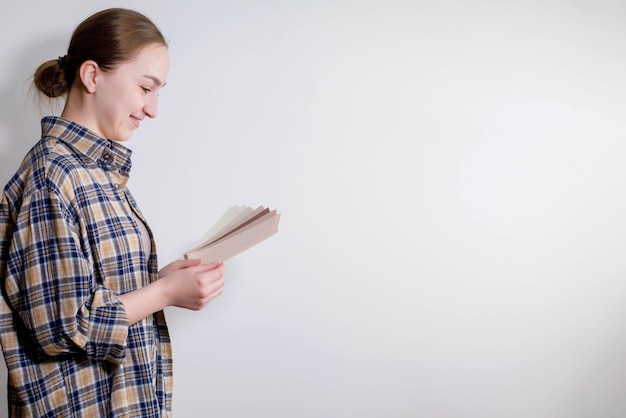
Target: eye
[[146, 89]]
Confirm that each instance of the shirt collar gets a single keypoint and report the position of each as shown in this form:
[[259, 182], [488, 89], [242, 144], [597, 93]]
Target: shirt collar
[[103, 151]]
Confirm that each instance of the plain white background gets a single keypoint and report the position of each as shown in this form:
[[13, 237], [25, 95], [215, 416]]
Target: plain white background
[[451, 180]]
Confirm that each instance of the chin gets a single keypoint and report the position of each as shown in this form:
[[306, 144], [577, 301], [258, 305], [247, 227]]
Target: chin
[[121, 137]]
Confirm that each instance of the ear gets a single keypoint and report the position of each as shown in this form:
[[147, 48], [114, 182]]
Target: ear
[[89, 72]]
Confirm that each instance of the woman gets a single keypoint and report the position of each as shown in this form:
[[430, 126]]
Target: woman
[[81, 314]]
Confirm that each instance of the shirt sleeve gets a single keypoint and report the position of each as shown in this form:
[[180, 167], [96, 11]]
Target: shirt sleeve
[[51, 286]]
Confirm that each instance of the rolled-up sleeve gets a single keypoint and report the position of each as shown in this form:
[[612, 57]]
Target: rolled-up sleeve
[[51, 285]]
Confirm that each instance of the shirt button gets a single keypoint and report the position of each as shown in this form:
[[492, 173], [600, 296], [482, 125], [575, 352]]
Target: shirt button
[[116, 186], [106, 156]]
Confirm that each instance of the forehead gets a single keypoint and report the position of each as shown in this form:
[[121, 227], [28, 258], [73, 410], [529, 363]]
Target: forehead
[[151, 61]]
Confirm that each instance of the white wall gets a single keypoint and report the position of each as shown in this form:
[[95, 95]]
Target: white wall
[[451, 177]]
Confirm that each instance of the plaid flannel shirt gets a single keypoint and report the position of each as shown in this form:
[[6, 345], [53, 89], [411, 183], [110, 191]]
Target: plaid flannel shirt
[[69, 245]]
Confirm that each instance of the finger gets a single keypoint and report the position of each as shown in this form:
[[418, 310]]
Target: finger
[[202, 268], [211, 296], [214, 265], [187, 262], [213, 286], [211, 278]]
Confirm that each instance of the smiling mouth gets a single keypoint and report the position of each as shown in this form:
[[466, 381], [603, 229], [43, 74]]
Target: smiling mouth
[[136, 121]]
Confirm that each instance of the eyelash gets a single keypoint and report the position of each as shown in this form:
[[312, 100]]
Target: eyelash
[[147, 90]]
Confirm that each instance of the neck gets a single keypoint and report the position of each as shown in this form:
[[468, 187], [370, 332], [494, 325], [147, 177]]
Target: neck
[[78, 109]]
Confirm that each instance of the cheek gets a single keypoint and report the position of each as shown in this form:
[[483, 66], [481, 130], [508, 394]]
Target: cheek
[[127, 97], [126, 106]]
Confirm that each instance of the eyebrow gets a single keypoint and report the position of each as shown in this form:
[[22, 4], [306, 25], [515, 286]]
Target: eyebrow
[[156, 80]]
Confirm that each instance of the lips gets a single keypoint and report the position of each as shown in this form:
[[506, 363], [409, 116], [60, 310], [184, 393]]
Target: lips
[[135, 121]]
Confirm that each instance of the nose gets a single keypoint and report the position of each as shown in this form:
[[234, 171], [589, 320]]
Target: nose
[[151, 107]]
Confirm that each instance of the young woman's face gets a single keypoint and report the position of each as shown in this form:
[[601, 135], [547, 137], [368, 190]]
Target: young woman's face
[[129, 93]]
